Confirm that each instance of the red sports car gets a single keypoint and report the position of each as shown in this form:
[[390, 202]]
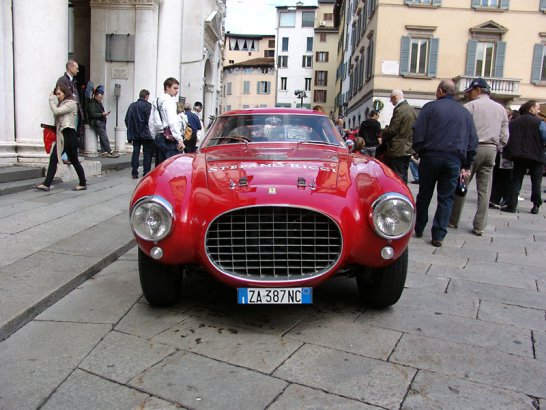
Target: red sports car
[[273, 203]]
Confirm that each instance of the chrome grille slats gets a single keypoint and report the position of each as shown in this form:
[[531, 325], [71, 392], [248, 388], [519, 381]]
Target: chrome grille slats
[[273, 243]]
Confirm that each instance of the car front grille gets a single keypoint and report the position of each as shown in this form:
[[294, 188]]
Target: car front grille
[[273, 243]]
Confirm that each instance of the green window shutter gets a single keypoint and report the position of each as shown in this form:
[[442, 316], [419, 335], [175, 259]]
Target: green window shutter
[[537, 63], [433, 57], [268, 87], [471, 57], [404, 55], [408, 1], [505, 4], [499, 59], [543, 5], [437, 3], [258, 88], [246, 87], [476, 3]]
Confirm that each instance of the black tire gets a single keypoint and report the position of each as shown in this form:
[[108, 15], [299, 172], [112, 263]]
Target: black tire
[[161, 284], [382, 287]]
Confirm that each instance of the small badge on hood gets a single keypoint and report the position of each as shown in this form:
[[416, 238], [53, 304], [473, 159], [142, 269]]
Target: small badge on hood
[[272, 191]]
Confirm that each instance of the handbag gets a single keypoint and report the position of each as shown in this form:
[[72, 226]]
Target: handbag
[[166, 130], [49, 136], [188, 132]]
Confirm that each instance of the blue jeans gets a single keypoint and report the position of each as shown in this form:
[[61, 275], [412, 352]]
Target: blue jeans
[[165, 149], [444, 174], [148, 147]]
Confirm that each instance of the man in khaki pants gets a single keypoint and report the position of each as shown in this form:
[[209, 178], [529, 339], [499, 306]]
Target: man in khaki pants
[[491, 124]]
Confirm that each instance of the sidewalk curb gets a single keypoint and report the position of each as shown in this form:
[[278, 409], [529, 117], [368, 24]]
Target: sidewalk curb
[[39, 306]]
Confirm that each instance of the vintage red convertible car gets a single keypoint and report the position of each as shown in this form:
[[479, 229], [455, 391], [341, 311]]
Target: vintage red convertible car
[[273, 203]]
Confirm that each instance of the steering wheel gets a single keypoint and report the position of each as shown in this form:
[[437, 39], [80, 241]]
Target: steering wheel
[[238, 138]]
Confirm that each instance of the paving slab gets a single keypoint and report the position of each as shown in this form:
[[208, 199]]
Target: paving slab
[[368, 380], [506, 338], [540, 345], [119, 292], [301, 397], [241, 347], [84, 391], [201, 383], [121, 357], [35, 360], [432, 391], [147, 321], [358, 338], [432, 300], [523, 317], [473, 363]]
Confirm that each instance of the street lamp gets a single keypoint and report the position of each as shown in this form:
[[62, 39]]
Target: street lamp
[[301, 95]]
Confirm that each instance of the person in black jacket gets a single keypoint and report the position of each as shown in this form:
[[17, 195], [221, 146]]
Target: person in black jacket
[[96, 114], [526, 149], [138, 133], [370, 131]]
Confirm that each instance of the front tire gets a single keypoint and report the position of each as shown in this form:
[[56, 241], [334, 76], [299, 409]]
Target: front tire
[[161, 284], [382, 287]]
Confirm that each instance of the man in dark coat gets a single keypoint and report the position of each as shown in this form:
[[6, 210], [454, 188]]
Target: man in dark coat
[[195, 124], [138, 133], [370, 131], [526, 148], [397, 136]]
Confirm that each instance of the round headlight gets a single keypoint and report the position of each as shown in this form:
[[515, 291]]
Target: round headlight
[[393, 216], [151, 218]]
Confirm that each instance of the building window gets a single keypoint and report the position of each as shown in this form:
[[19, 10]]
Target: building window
[[538, 72], [284, 81], [246, 87], [328, 16], [269, 53], [485, 59], [543, 5], [284, 44], [369, 61], [321, 78], [287, 19], [309, 44], [264, 87], [308, 19], [228, 107], [307, 61], [491, 4], [307, 84], [435, 3], [271, 43], [245, 106], [228, 88], [231, 61], [282, 61], [319, 96], [419, 56], [322, 37], [321, 57]]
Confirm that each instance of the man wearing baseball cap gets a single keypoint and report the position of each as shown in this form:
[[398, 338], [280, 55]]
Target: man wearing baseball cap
[[491, 124]]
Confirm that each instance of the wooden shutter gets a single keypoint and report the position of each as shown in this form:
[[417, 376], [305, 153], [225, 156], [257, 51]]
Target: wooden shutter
[[505, 4], [499, 59], [471, 57], [404, 55], [536, 67], [433, 57]]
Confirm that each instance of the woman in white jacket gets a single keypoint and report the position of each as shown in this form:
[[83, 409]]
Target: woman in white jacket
[[65, 110]]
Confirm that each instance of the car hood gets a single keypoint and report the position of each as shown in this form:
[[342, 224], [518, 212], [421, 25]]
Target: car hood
[[274, 167]]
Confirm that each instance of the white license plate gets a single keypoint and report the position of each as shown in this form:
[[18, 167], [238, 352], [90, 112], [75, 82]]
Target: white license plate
[[273, 296]]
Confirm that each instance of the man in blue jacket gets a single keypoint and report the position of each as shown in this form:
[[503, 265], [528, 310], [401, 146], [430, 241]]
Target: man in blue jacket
[[195, 124], [444, 137], [138, 133]]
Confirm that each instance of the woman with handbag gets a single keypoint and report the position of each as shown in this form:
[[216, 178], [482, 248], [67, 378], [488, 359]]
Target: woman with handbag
[[65, 110]]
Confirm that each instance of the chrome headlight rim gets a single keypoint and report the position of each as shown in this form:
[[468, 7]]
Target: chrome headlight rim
[[165, 205], [383, 200]]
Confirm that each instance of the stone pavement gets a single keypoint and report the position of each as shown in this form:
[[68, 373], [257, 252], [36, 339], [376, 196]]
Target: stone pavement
[[468, 333]]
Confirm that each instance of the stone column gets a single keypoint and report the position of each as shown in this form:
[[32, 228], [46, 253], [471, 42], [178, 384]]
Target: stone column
[[169, 51], [146, 23], [7, 101], [90, 144], [121, 139], [38, 64]]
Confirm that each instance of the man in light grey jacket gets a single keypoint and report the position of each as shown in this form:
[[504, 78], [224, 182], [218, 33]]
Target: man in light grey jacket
[[491, 124]]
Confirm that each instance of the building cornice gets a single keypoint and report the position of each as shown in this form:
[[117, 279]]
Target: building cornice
[[114, 4]]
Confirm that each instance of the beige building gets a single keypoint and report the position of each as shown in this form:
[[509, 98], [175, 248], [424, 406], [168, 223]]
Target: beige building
[[323, 87], [249, 84], [243, 47], [413, 44]]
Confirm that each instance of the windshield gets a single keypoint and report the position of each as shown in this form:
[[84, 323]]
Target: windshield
[[252, 128]]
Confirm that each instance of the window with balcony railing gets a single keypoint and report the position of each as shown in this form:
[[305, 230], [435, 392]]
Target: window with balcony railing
[[419, 56], [538, 73]]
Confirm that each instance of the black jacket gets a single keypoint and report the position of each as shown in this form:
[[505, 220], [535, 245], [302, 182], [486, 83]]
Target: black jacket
[[524, 141], [370, 130], [136, 120]]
